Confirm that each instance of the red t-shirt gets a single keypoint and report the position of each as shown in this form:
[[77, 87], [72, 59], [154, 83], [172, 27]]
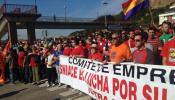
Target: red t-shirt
[[101, 45], [67, 51], [45, 51], [33, 63], [155, 43], [158, 34], [144, 56], [77, 51], [168, 51], [96, 56], [130, 43], [171, 31], [21, 59], [88, 46]]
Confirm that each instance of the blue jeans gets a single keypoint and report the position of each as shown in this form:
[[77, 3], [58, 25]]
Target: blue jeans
[[58, 73], [13, 74], [28, 74]]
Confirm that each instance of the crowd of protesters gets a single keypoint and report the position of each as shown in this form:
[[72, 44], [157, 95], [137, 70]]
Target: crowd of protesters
[[31, 63]]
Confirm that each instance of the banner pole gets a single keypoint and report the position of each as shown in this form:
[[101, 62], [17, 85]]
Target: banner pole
[[151, 14]]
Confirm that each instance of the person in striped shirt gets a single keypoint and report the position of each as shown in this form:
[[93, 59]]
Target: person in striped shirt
[[156, 44]]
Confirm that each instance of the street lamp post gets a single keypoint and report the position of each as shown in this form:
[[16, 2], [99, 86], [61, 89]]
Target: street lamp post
[[35, 6], [5, 5], [105, 4], [65, 10], [35, 2], [4, 1]]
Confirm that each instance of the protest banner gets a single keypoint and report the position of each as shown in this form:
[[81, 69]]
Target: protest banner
[[127, 81]]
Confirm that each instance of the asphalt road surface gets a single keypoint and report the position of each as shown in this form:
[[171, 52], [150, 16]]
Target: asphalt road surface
[[20, 91]]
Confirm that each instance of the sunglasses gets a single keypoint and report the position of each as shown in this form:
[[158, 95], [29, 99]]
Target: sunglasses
[[137, 40], [115, 38]]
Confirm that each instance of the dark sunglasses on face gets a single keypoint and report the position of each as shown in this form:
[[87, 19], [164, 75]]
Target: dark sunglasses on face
[[151, 32], [114, 38], [137, 40]]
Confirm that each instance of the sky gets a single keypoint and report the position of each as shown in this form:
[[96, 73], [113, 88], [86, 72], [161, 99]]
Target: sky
[[74, 8]]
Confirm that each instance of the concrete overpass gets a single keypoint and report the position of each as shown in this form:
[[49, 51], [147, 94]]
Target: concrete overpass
[[13, 17]]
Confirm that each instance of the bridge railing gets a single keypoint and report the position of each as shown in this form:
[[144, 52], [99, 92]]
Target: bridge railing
[[18, 9], [63, 19], [70, 19]]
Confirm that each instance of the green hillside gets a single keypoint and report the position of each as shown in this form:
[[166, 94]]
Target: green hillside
[[141, 18]]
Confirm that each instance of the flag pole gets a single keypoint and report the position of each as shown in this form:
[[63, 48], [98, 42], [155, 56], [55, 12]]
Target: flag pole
[[151, 14], [4, 1]]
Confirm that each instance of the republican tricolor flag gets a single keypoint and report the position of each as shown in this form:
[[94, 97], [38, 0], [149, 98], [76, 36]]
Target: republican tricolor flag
[[132, 6]]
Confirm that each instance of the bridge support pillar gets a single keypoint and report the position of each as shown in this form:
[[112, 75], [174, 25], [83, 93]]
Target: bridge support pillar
[[12, 31], [31, 32]]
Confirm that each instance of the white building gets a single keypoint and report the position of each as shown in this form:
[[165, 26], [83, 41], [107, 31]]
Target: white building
[[169, 15]]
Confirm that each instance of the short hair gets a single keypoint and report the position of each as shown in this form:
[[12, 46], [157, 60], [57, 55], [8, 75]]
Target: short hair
[[131, 30], [76, 40], [144, 35], [151, 28], [165, 22]]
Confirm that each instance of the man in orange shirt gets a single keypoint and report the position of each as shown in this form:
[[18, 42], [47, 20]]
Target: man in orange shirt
[[119, 52]]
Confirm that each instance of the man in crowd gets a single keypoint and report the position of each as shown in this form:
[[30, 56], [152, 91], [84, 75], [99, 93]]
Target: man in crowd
[[118, 52], [13, 65], [155, 42], [166, 36], [77, 50], [95, 54], [142, 54], [67, 49], [21, 63], [34, 63], [50, 68], [57, 52], [27, 68], [100, 42], [130, 41], [168, 53]]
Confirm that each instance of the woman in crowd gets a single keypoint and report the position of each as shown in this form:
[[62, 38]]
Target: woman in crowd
[[50, 68]]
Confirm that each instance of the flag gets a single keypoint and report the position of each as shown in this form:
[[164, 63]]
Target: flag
[[132, 6], [2, 65], [2, 73], [7, 48]]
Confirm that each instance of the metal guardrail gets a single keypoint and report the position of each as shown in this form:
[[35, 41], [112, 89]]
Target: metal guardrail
[[78, 20], [63, 19], [18, 9], [32, 9]]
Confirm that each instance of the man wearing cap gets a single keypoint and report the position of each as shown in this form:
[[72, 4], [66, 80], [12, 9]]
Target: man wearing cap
[[94, 54]]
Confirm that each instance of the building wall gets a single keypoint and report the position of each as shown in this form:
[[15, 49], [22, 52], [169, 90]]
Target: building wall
[[160, 3], [163, 18]]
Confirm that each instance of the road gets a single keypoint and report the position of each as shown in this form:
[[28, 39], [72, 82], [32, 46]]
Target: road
[[20, 91]]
